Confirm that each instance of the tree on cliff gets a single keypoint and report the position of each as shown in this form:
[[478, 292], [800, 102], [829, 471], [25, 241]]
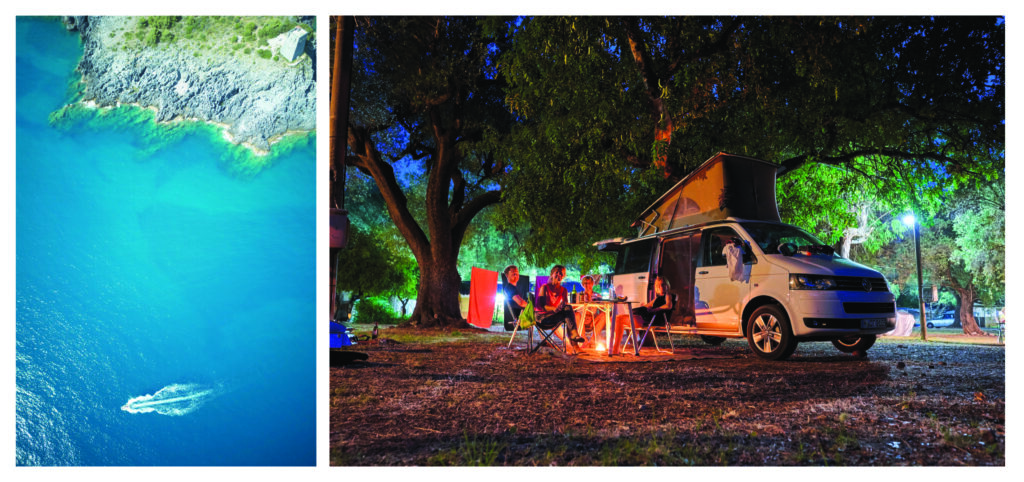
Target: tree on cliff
[[426, 102], [615, 105]]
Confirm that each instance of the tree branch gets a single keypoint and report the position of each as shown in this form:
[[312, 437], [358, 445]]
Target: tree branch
[[367, 159], [794, 163], [471, 209]]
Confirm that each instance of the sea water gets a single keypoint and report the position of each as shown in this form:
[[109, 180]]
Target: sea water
[[149, 259]]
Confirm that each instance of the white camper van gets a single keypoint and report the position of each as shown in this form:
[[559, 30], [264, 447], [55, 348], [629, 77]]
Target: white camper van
[[790, 288]]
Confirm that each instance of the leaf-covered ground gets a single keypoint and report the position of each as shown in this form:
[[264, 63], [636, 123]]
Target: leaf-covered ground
[[465, 399]]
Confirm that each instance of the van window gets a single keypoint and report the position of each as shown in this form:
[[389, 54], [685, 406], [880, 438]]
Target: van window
[[715, 240], [635, 257], [770, 236]]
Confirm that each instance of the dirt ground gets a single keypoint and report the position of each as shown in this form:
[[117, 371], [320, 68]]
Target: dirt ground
[[465, 399]]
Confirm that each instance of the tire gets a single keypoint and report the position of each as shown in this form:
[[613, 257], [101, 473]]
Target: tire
[[712, 340], [769, 335], [930, 325], [850, 344]]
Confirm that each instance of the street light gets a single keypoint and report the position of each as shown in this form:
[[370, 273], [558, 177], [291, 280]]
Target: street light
[[910, 220]]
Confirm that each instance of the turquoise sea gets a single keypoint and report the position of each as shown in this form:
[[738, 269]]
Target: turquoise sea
[[165, 285]]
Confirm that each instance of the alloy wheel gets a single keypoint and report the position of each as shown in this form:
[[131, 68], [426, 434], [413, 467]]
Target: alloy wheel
[[767, 333]]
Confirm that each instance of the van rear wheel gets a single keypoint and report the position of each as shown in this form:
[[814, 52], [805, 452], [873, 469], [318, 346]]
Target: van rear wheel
[[769, 335], [850, 344]]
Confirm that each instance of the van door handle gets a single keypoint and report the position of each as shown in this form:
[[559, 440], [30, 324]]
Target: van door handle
[[702, 272], [641, 277]]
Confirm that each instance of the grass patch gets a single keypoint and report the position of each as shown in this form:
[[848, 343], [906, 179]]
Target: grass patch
[[476, 451], [346, 456]]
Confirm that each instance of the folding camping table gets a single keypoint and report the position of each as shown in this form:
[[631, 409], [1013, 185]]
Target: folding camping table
[[610, 308]]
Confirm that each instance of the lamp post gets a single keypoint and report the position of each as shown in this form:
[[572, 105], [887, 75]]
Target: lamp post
[[910, 220]]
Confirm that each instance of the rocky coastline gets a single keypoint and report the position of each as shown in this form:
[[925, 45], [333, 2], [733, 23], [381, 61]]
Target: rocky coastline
[[255, 101]]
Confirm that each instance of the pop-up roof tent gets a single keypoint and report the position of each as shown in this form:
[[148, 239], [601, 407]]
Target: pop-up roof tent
[[726, 185]]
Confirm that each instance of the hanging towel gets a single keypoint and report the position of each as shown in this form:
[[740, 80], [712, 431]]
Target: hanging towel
[[734, 259], [482, 286]]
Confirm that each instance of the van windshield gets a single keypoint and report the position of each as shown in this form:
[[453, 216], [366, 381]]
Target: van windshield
[[770, 236]]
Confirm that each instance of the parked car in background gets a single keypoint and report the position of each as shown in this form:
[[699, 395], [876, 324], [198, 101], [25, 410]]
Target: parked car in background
[[941, 322], [947, 319]]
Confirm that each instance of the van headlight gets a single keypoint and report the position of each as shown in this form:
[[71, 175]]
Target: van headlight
[[811, 282]]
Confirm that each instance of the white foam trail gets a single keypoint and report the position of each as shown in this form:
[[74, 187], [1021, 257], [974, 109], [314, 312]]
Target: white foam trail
[[175, 399]]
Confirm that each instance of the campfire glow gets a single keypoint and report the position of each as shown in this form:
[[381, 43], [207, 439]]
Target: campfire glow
[[599, 347]]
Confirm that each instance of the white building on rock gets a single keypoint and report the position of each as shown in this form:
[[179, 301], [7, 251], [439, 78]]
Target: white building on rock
[[290, 44]]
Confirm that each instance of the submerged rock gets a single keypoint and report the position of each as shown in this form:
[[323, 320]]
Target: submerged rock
[[255, 99]]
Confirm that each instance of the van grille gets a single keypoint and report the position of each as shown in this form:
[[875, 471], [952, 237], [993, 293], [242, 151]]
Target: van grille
[[862, 308], [855, 283]]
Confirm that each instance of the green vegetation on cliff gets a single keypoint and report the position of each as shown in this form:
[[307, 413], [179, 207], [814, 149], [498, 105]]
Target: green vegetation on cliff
[[224, 34]]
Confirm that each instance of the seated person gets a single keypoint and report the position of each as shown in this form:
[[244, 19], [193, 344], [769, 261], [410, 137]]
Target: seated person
[[514, 300], [642, 314], [660, 303], [594, 320], [588, 290], [552, 307]]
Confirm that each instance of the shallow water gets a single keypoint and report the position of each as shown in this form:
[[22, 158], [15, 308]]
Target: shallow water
[[139, 269]]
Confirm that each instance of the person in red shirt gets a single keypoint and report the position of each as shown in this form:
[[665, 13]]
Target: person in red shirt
[[552, 305]]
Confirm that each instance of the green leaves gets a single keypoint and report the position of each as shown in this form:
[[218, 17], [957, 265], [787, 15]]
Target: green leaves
[[844, 92], [371, 266]]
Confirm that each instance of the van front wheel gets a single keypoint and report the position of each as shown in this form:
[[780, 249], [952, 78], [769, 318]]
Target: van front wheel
[[768, 333], [850, 344]]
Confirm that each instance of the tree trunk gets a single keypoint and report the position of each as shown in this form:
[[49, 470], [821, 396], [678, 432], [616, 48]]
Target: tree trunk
[[858, 234], [844, 249], [965, 311], [437, 297]]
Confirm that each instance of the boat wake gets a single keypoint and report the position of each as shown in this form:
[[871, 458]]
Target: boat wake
[[175, 399]]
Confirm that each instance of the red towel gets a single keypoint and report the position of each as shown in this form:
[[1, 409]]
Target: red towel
[[482, 287]]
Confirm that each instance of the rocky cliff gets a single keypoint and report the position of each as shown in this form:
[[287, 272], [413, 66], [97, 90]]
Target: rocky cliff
[[256, 100]]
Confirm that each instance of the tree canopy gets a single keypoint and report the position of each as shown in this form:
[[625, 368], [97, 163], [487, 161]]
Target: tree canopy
[[611, 106]]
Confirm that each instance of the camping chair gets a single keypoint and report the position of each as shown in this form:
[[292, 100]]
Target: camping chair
[[547, 335], [515, 310], [511, 311], [661, 321]]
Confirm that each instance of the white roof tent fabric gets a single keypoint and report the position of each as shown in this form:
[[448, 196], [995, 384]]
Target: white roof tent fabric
[[726, 185]]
